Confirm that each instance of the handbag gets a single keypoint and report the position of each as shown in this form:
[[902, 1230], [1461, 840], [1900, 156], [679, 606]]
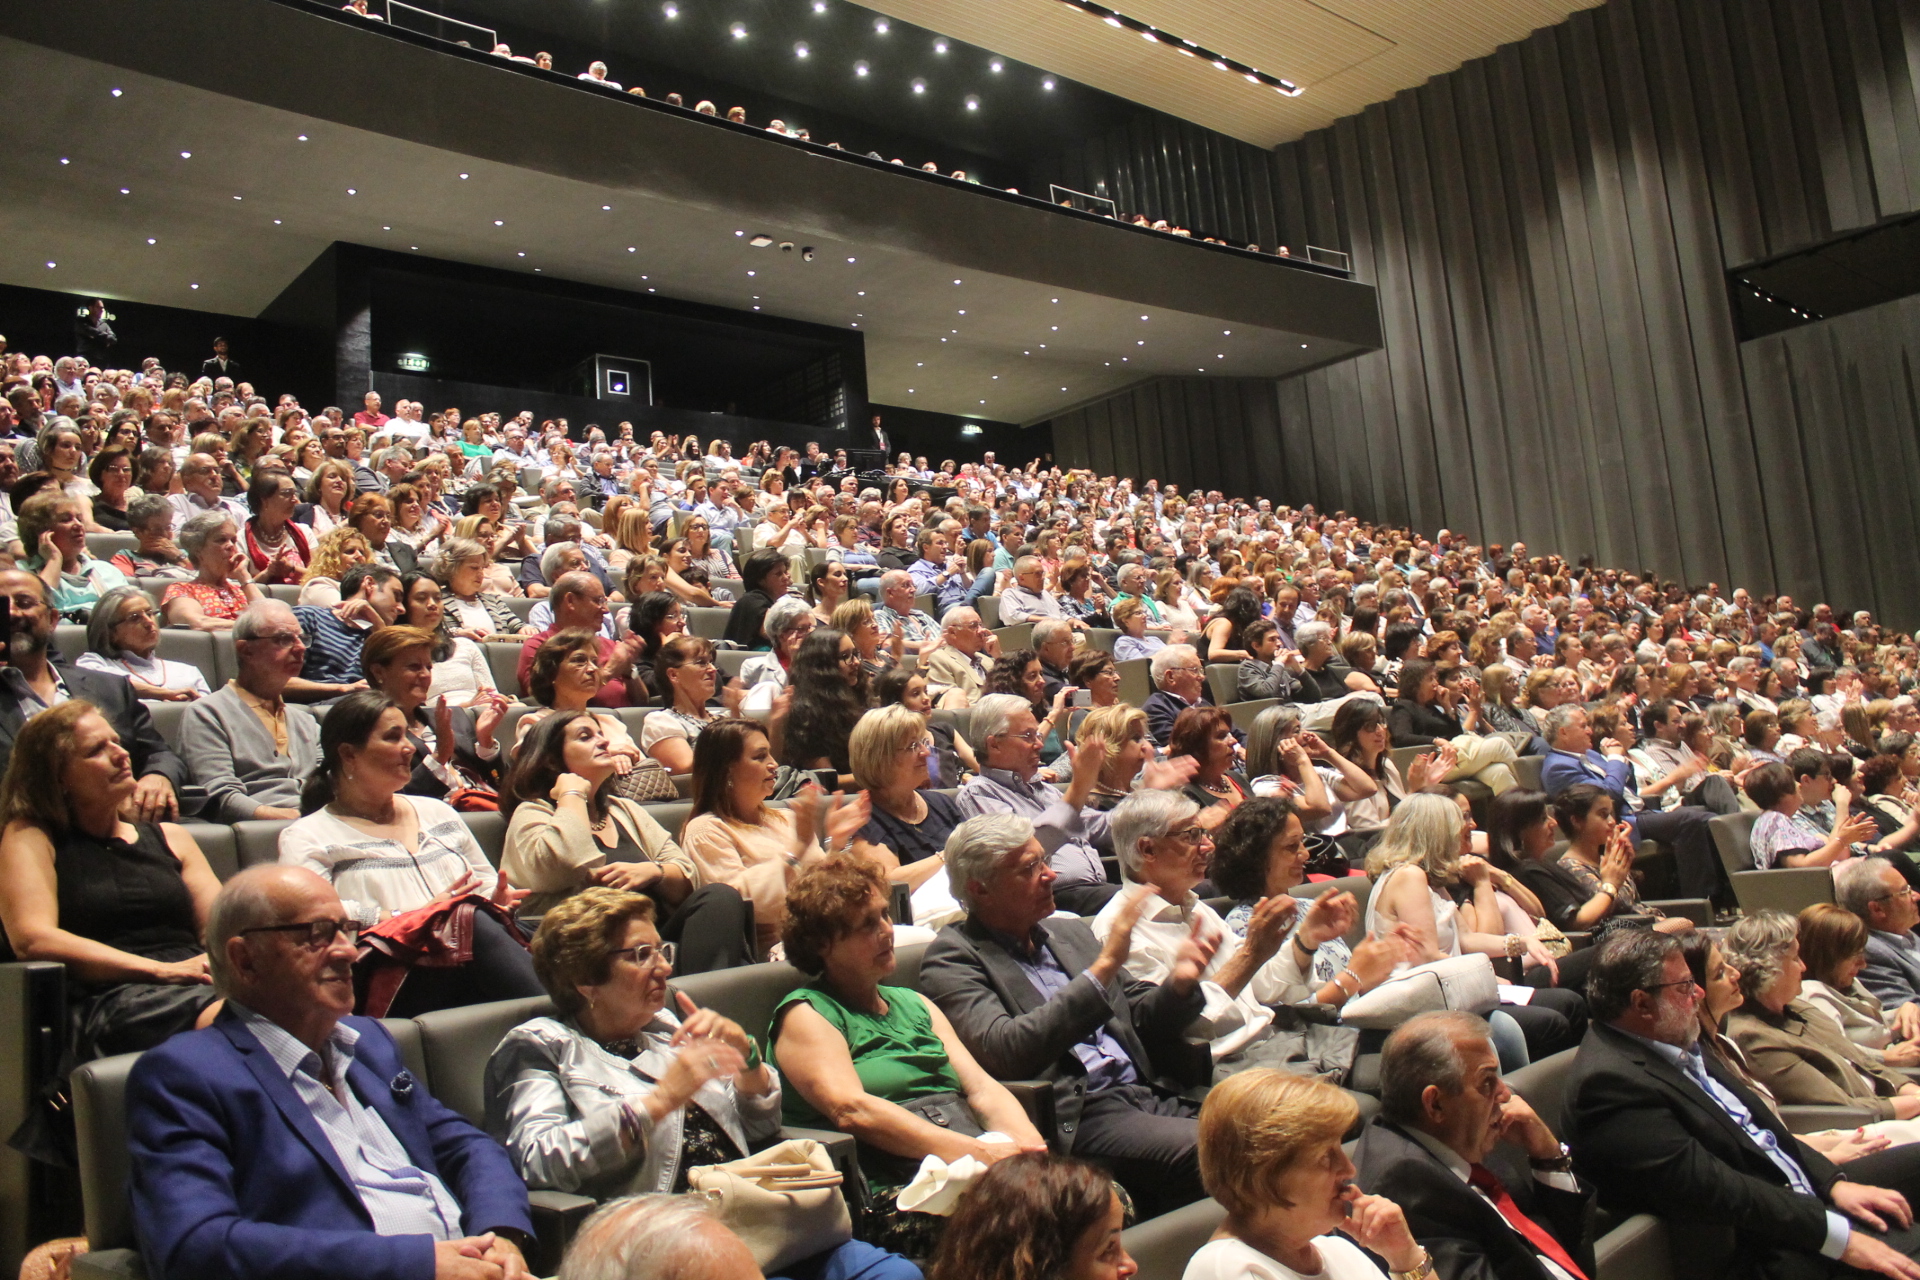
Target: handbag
[[647, 783], [1457, 982], [785, 1202]]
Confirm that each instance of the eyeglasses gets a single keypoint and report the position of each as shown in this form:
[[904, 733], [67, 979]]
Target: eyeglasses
[[1031, 736], [1192, 835], [280, 640], [646, 953], [137, 615], [315, 935], [919, 746]]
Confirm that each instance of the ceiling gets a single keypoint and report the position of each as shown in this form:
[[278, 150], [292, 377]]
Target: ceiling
[[177, 195], [1344, 54]]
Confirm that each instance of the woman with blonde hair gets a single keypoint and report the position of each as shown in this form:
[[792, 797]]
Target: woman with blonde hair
[[907, 834], [1425, 878], [632, 538], [854, 618], [1271, 1155], [338, 550], [329, 494]]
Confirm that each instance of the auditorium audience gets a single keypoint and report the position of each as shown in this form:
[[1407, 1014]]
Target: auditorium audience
[[223, 585], [456, 757], [461, 672], [1833, 947], [279, 547], [53, 528], [251, 750]]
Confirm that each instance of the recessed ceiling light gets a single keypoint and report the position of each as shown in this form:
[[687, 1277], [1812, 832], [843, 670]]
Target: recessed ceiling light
[[1253, 79], [963, 312], [1063, 388], [751, 273], [386, 228], [1043, 346], [996, 377], [671, 10], [650, 289], [1148, 35], [909, 390], [414, 247], [956, 282], [126, 191], [1303, 346], [861, 294], [756, 308], [919, 364], [237, 197], [186, 155], [523, 253], [1140, 342], [995, 65], [800, 49], [860, 68], [1221, 356], [631, 249], [819, 6], [919, 86], [64, 160], [1056, 328], [463, 177], [1047, 84], [983, 402], [115, 92], [973, 102], [193, 286], [849, 259], [1227, 332], [498, 223], [352, 192], [953, 331], [761, 242], [606, 208], [1143, 317], [1112, 21], [301, 138], [880, 25], [151, 240], [939, 46], [536, 268], [276, 222], [739, 30]]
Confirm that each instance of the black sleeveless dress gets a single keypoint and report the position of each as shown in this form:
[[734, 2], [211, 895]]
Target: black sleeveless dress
[[129, 895]]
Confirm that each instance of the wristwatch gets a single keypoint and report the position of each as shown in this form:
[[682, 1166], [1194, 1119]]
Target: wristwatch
[[1416, 1271], [1562, 1163], [1607, 887]]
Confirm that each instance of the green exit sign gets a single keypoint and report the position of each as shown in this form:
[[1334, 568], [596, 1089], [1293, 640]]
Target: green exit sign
[[412, 363]]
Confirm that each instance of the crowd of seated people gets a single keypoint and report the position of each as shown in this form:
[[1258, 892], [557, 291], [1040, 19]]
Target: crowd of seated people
[[706, 752]]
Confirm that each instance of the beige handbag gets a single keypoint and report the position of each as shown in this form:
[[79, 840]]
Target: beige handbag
[[785, 1202]]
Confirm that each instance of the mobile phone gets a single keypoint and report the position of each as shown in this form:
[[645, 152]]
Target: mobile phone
[[6, 630], [1081, 698]]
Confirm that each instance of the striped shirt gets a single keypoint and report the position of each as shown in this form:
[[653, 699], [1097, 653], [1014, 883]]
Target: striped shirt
[[333, 646]]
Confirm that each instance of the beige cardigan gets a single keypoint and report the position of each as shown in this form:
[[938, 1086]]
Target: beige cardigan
[[552, 853]]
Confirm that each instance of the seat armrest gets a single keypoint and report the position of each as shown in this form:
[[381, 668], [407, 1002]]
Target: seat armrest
[[557, 1215], [1812, 1119], [841, 1147], [1698, 910], [1579, 941], [1637, 1249], [1036, 1096], [109, 1264]]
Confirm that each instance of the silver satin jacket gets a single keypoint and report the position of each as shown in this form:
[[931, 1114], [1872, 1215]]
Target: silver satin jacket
[[552, 1101]]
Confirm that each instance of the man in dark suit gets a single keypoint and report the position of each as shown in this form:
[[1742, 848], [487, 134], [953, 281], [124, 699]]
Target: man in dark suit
[[31, 682], [1040, 998], [1180, 681], [1486, 1187], [1661, 1128], [220, 366], [1874, 890], [288, 1139]]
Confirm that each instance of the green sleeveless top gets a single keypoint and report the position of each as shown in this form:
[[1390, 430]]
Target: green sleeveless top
[[898, 1056]]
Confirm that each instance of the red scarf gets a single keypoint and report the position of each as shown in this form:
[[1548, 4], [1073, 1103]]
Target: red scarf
[[261, 559]]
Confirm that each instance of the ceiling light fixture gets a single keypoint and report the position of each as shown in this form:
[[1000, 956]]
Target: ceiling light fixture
[[115, 92], [126, 191], [800, 49], [819, 6], [860, 68], [64, 160], [301, 138], [1047, 84], [1114, 18], [151, 240], [186, 155], [973, 102], [761, 241], [52, 265], [463, 177], [498, 223], [671, 10], [739, 30], [880, 25], [352, 192], [919, 86], [995, 66], [939, 46]]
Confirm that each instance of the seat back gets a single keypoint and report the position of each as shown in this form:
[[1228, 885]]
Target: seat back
[[195, 648], [1162, 1246], [746, 994], [1403, 757], [70, 638], [960, 718], [1788, 889], [1361, 887], [1526, 771], [1733, 838], [490, 829], [217, 844], [167, 719], [1223, 679], [708, 624], [521, 606], [906, 966], [33, 1035], [257, 840], [284, 592], [731, 660], [1017, 636], [99, 1091], [1544, 1085], [105, 546], [672, 815], [1102, 638], [1245, 713], [1136, 680], [503, 659], [988, 607], [406, 1038], [456, 1043]]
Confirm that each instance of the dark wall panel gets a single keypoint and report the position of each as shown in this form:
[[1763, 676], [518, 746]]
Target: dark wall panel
[[1549, 229]]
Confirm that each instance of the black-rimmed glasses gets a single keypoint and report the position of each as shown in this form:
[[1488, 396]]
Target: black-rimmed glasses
[[313, 934]]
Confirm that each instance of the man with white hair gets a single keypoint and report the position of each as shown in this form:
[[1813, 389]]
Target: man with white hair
[[1053, 645], [658, 1237], [1875, 891], [957, 671], [1027, 600], [1133, 580], [249, 748], [1037, 996], [1179, 682], [1006, 740], [289, 1138]]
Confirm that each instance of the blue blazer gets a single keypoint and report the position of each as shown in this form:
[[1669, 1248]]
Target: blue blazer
[[234, 1178], [1563, 769]]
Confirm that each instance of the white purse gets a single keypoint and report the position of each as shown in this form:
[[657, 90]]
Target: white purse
[[1457, 982]]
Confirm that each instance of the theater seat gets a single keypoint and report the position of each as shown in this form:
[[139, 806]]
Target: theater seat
[[1102, 638], [707, 623], [99, 1091], [1136, 680], [195, 648], [1544, 1085], [1245, 713], [503, 659], [731, 660], [456, 1043], [1733, 838], [490, 829], [1788, 889], [671, 814], [1359, 886], [746, 994], [1223, 681], [216, 841], [257, 840], [1162, 1246], [167, 719], [1526, 771], [988, 607]]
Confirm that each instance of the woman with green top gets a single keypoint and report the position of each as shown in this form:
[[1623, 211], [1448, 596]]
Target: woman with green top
[[880, 1062]]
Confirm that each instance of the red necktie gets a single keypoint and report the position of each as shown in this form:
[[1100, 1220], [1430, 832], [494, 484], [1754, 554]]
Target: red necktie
[[1488, 1182]]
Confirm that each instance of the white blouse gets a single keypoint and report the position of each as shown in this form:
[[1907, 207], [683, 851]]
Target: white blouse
[[158, 672], [463, 676], [1231, 1259], [376, 876]]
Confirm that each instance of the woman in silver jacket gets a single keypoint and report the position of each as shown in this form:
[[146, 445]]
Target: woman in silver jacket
[[620, 1096]]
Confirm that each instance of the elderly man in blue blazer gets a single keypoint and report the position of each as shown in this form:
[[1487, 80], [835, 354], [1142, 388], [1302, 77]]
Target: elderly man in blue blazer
[[1571, 760], [288, 1139], [1874, 890]]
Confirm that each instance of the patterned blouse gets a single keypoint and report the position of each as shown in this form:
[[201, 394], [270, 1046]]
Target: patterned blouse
[[227, 601]]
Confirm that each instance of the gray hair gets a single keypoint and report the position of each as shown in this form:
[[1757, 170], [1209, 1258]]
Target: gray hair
[[893, 577], [1630, 960], [244, 902], [1047, 630], [1757, 947], [553, 556], [195, 532], [1856, 884], [1740, 666], [1168, 657], [256, 616], [146, 507], [958, 617], [550, 486], [106, 613], [976, 847], [1559, 718], [1421, 1051], [398, 452], [990, 718], [1129, 573], [783, 615], [1026, 564], [650, 1237], [1146, 815], [1308, 634], [1270, 728]]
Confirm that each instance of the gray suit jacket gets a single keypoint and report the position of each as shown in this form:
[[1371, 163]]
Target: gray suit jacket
[[1017, 1036], [1892, 973], [232, 755]]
